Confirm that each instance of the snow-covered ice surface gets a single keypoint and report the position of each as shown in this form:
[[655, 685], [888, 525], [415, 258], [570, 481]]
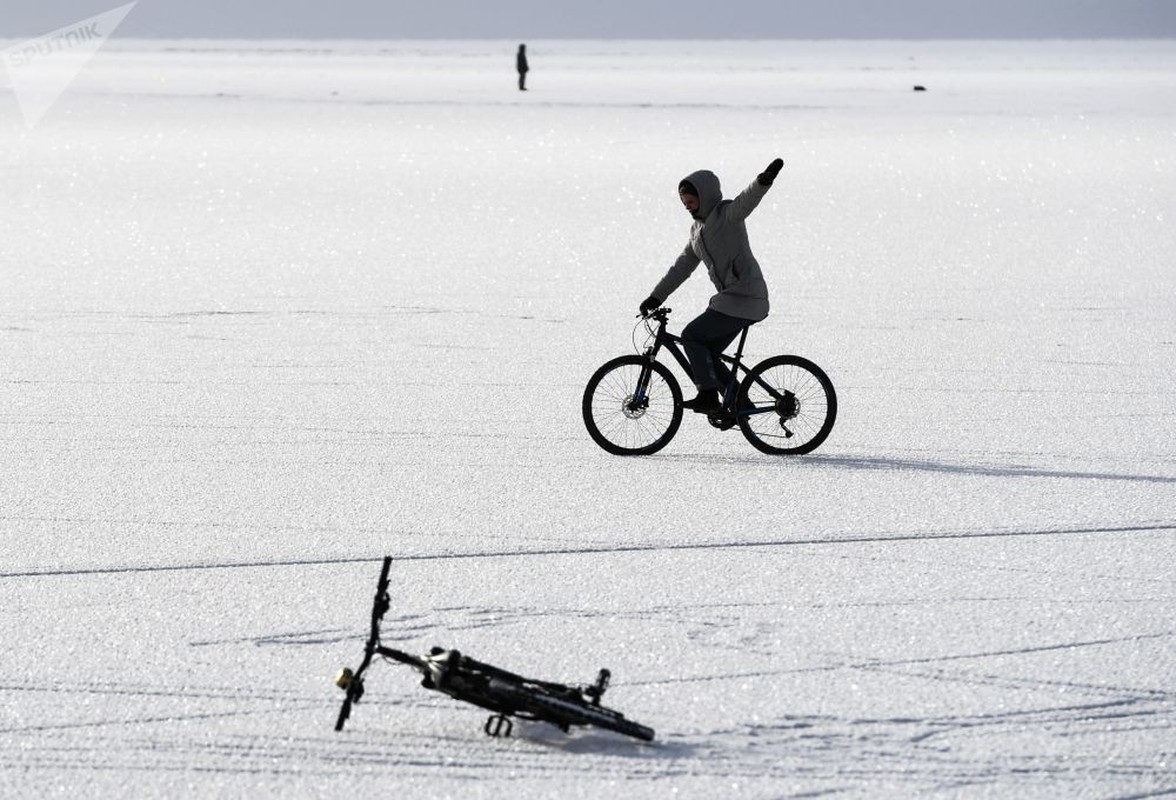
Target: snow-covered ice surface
[[270, 311]]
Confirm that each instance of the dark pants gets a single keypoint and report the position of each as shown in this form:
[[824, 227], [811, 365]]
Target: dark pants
[[707, 335], [523, 80]]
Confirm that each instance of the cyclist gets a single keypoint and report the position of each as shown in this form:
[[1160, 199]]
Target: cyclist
[[718, 238]]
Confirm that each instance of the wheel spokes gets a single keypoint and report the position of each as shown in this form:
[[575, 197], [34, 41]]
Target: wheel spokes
[[629, 418], [787, 406]]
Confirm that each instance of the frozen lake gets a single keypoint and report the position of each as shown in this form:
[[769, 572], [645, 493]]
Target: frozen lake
[[271, 311]]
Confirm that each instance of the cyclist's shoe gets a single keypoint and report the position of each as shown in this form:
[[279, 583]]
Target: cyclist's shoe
[[723, 420], [707, 402]]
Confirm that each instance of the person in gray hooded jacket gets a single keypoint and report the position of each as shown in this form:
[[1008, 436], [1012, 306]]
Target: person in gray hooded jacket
[[718, 238]]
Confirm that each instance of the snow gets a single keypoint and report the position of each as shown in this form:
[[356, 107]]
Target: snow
[[272, 310]]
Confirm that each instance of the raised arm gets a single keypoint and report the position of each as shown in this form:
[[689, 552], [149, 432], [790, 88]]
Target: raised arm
[[749, 198]]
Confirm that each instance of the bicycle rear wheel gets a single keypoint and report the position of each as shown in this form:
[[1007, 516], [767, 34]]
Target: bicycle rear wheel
[[628, 419], [614, 721], [787, 406], [596, 716], [534, 703]]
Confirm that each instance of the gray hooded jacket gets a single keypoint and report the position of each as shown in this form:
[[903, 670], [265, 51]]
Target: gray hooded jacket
[[718, 238]]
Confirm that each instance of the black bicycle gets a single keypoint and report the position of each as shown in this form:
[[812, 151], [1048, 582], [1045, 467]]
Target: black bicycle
[[784, 405], [497, 690]]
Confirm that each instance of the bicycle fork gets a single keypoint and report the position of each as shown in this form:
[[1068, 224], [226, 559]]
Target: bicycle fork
[[638, 402]]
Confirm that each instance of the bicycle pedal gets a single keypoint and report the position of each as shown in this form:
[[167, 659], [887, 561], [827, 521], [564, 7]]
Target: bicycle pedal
[[724, 421]]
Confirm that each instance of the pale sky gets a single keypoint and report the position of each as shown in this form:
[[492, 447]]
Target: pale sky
[[602, 19]]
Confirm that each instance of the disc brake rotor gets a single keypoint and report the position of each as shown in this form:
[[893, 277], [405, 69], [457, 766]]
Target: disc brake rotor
[[633, 410]]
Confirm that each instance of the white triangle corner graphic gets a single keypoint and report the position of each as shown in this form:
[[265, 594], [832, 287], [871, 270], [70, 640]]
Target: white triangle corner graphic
[[42, 69]]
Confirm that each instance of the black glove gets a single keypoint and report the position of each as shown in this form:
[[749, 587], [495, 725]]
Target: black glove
[[768, 175], [649, 304]]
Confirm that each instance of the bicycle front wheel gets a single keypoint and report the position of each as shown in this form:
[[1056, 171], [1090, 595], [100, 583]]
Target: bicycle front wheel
[[632, 407], [786, 406]]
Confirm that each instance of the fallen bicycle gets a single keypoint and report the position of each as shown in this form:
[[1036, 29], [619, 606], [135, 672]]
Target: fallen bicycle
[[504, 693]]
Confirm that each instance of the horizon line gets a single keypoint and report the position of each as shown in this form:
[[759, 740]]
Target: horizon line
[[363, 38]]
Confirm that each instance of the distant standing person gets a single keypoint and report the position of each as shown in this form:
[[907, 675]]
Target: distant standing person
[[521, 64]]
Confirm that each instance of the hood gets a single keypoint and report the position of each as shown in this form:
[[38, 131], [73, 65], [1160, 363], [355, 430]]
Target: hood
[[709, 192]]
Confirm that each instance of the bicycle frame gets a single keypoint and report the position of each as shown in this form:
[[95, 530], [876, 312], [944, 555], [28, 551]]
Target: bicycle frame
[[480, 684], [663, 339]]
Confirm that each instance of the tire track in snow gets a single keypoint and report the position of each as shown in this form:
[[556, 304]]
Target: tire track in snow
[[593, 550]]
